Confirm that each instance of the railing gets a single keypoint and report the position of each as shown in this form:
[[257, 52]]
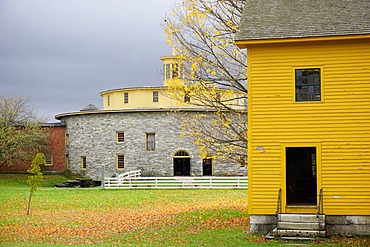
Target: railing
[[320, 210], [130, 174], [321, 204], [278, 211], [176, 183]]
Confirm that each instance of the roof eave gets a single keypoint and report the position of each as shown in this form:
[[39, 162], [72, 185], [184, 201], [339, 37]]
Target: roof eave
[[130, 110], [245, 43]]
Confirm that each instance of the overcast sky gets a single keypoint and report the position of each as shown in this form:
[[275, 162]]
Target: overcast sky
[[62, 53]]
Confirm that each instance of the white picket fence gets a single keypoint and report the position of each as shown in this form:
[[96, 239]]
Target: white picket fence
[[176, 182]]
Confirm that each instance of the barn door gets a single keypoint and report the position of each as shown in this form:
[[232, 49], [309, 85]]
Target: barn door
[[301, 176], [181, 164]]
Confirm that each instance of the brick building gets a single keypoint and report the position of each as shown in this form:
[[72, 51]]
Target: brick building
[[55, 155]]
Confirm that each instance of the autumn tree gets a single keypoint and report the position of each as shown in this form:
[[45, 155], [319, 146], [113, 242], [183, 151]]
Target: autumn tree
[[21, 135], [213, 73], [35, 179]]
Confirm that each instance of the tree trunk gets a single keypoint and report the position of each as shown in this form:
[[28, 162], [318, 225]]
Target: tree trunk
[[29, 203]]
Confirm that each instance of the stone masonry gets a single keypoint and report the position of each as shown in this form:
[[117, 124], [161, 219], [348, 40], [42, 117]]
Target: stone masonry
[[93, 135]]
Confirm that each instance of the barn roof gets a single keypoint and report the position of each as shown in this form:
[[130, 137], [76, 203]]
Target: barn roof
[[282, 19]]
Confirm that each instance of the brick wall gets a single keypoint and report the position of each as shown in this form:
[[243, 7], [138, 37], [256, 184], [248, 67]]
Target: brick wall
[[56, 149]]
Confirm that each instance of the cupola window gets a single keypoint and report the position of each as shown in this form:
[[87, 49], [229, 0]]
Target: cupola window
[[155, 96], [125, 98]]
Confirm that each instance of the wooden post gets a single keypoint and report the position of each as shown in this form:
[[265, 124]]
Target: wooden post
[[103, 177]]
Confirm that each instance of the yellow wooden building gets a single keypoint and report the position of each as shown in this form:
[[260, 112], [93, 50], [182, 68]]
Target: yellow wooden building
[[309, 112]]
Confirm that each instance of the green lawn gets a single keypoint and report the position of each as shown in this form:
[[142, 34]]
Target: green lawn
[[90, 216]]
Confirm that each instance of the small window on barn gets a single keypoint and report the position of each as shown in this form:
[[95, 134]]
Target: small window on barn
[[243, 162], [155, 96], [125, 98], [67, 140], [67, 161], [83, 163], [48, 160], [150, 141], [120, 135], [108, 100], [120, 161], [307, 85]]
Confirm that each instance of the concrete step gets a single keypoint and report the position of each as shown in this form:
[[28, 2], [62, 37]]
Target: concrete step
[[300, 226], [298, 233], [301, 218], [270, 236]]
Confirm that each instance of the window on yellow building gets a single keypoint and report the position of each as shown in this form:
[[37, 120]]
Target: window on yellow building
[[307, 85], [120, 161], [167, 71], [155, 96], [187, 97], [175, 70], [125, 98], [108, 100], [150, 141]]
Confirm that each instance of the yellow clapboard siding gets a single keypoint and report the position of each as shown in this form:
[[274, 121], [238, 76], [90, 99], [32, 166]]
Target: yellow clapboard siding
[[339, 123]]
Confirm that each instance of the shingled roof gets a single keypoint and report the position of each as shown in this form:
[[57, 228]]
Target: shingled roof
[[281, 19]]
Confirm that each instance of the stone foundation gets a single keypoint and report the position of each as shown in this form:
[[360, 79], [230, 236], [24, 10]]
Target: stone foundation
[[335, 224], [262, 224], [347, 225]]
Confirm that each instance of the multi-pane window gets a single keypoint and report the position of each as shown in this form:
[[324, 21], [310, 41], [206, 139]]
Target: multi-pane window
[[108, 100], [307, 85], [187, 97], [120, 136], [120, 161], [167, 71], [48, 160], [150, 141], [175, 70], [83, 163], [125, 97], [155, 96]]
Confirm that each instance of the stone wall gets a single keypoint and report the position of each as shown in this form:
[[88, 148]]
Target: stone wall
[[94, 137], [348, 225]]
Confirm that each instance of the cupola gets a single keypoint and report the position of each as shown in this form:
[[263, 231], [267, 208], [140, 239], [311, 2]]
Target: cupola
[[172, 68], [90, 107]]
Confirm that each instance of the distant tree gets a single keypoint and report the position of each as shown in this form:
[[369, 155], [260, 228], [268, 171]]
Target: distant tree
[[35, 179], [21, 135], [201, 33]]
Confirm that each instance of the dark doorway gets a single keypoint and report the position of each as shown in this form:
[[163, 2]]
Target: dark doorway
[[181, 164], [207, 167], [301, 182]]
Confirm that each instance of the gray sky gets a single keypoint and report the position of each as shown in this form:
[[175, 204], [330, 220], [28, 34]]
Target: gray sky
[[62, 53]]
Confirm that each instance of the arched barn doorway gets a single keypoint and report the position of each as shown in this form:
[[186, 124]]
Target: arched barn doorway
[[181, 163]]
